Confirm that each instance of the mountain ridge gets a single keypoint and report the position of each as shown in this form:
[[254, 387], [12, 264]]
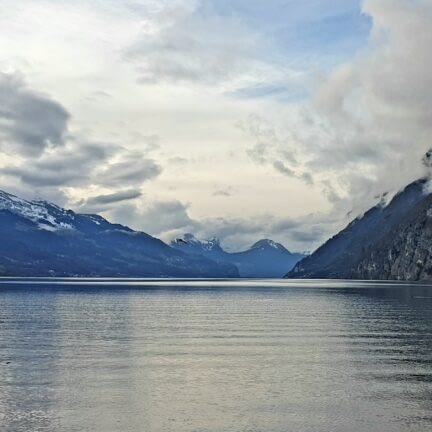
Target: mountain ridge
[[405, 253], [40, 238]]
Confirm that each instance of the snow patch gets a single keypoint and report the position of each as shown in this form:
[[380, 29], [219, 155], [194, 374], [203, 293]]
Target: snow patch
[[39, 212]]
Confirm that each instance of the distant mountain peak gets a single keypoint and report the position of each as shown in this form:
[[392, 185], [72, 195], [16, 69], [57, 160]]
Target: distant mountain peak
[[269, 244], [265, 258], [188, 239]]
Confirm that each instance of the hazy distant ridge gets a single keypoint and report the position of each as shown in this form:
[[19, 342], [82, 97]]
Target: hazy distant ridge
[[264, 259]]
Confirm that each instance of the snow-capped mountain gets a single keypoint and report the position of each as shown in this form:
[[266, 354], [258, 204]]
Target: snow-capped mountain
[[46, 215], [264, 259], [191, 245], [39, 238], [266, 244]]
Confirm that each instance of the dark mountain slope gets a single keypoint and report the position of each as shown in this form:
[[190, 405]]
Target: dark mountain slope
[[42, 239], [339, 256], [405, 253]]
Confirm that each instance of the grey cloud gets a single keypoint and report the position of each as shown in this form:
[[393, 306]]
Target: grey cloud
[[33, 177], [283, 169], [163, 219], [116, 197], [178, 160], [85, 165], [267, 139], [283, 92], [101, 94], [277, 148], [170, 219], [307, 237], [29, 121], [72, 165], [132, 170], [307, 178], [296, 233], [222, 193], [167, 216], [311, 229], [52, 160], [228, 227], [258, 153]]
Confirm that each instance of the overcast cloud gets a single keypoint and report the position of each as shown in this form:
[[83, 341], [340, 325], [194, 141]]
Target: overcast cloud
[[241, 119]]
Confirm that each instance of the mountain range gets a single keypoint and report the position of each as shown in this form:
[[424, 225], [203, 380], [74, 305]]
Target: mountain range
[[390, 241], [265, 258], [39, 238]]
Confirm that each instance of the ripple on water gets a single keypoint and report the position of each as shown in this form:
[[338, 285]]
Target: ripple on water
[[214, 356]]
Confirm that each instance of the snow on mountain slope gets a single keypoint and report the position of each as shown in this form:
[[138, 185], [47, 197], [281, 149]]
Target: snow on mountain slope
[[48, 216], [266, 243], [190, 244], [39, 238]]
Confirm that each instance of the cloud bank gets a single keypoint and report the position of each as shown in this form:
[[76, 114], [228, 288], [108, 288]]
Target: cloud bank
[[46, 157], [367, 120], [242, 119]]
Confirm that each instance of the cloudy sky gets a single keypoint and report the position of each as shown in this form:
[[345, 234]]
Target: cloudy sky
[[242, 119]]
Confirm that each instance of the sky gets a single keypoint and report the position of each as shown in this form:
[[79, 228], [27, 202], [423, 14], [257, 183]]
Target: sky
[[241, 119]]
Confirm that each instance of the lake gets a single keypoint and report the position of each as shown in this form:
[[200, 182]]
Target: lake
[[175, 355]]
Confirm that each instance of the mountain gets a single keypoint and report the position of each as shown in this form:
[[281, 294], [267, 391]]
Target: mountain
[[354, 250], [265, 259], [39, 238], [189, 244], [405, 253]]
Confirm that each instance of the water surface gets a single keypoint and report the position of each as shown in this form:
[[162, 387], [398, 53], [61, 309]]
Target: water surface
[[145, 355]]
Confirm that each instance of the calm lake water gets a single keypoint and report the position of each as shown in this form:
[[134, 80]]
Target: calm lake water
[[215, 356]]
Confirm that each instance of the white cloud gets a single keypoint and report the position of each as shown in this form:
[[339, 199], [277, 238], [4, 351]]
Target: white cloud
[[171, 219], [196, 45], [173, 137], [370, 120]]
